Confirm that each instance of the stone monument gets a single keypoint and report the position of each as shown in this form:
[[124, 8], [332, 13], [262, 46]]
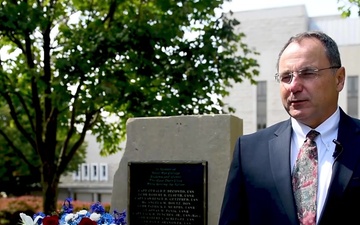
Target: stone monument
[[169, 150]]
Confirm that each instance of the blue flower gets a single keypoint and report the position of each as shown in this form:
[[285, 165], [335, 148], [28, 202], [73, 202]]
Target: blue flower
[[67, 206], [97, 208], [120, 217]]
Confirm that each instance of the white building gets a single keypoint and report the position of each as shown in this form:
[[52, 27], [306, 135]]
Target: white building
[[259, 106], [94, 180]]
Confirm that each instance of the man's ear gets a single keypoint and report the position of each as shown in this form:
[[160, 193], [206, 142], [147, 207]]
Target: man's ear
[[340, 78]]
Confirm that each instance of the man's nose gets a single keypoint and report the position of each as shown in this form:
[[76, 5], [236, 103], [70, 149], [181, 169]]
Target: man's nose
[[296, 83]]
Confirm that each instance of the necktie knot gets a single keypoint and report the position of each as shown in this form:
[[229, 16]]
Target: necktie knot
[[312, 134]]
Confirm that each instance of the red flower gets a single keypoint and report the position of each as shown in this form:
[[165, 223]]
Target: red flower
[[86, 221], [51, 220]]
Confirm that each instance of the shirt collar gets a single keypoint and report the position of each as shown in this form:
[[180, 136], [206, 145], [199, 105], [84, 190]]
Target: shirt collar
[[327, 129]]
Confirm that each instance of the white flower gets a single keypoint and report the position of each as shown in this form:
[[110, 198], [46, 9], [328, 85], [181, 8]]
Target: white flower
[[70, 216], [95, 216], [82, 212], [27, 220]]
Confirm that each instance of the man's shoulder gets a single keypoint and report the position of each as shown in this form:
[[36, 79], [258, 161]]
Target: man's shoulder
[[355, 120], [346, 117], [271, 130]]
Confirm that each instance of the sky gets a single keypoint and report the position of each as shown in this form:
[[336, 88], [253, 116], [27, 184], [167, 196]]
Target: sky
[[313, 7]]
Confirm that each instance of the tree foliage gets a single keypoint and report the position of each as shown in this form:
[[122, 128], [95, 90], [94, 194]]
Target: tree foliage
[[347, 6], [72, 66]]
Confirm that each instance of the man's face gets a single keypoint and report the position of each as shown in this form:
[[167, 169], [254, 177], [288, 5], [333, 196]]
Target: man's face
[[310, 101]]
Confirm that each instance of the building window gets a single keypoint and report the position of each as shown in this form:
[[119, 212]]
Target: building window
[[261, 105], [85, 173], [352, 96], [77, 174], [94, 172], [103, 172]]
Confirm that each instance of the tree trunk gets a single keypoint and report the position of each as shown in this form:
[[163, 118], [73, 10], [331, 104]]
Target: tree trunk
[[50, 183]]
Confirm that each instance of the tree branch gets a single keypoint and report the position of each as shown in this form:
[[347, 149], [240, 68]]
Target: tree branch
[[18, 151], [16, 120], [27, 112], [89, 122]]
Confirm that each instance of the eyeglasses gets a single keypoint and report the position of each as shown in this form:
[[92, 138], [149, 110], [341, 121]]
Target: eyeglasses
[[305, 74]]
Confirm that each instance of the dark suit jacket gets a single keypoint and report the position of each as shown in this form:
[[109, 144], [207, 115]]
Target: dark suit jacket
[[259, 190]]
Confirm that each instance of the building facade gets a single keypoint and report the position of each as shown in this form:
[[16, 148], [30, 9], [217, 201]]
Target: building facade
[[94, 179]]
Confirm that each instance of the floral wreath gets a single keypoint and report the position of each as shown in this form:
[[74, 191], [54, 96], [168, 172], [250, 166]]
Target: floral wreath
[[96, 215]]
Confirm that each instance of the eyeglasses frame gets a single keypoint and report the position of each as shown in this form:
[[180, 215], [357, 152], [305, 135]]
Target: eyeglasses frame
[[277, 75]]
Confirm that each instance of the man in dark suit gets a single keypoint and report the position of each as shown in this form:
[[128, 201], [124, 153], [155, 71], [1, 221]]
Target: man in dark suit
[[261, 187]]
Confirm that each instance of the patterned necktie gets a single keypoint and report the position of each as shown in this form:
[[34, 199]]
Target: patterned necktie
[[305, 180]]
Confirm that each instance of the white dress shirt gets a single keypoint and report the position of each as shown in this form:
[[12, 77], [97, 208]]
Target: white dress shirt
[[328, 132]]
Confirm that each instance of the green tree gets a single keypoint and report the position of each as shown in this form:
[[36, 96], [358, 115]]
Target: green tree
[[346, 7], [75, 64], [19, 164]]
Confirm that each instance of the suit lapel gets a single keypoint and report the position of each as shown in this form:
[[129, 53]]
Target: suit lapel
[[279, 148], [348, 136]]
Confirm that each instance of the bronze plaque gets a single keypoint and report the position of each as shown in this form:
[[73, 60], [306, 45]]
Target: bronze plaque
[[169, 193]]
